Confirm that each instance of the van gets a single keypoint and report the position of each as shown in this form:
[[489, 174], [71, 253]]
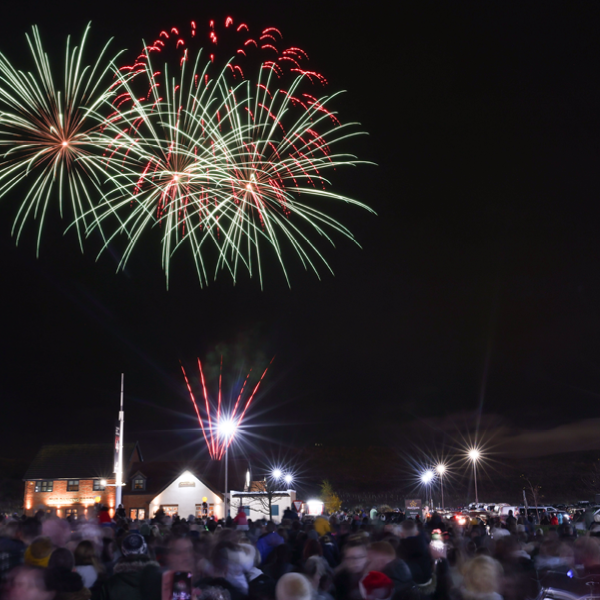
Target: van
[[504, 511]]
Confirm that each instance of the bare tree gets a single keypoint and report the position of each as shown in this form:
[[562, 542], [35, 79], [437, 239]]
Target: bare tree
[[535, 493], [261, 495]]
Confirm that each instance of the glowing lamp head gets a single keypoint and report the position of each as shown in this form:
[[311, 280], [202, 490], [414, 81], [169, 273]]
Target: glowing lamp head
[[103, 482], [427, 476], [474, 454], [288, 479], [226, 428], [277, 473], [441, 469]]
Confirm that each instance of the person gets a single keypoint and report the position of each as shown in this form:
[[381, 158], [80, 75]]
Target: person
[[86, 563], [62, 579], [27, 583], [511, 522], [104, 516], [241, 520], [136, 576], [414, 550], [268, 541], [319, 575], [481, 579], [38, 553], [347, 576], [12, 549], [293, 586], [382, 559], [180, 555]]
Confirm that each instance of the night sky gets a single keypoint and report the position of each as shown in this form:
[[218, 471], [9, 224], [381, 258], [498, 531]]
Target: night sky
[[476, 290]]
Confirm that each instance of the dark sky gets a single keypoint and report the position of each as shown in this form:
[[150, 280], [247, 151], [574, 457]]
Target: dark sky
[[477, 285]]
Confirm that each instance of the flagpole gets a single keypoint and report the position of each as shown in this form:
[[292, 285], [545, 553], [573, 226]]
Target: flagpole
[[119, 483]]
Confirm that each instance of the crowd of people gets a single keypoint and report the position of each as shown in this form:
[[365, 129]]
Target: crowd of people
[[337, 557]]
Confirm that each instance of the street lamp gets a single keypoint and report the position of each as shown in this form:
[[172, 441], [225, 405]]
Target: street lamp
[[277, 474], [427, 477], [441, 469], [288, 480], [474, 456], [226, 429]]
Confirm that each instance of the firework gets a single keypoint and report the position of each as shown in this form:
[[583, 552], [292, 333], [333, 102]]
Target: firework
[[164, 156], [230, 45], [215, 419], [231, 165], [52, 145]]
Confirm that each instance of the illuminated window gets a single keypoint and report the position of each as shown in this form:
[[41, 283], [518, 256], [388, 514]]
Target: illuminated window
[[44, 486], [71, 512], [73, 485], [205, 510], [171, 509], [139, 484], [137, 513], [98, 487]]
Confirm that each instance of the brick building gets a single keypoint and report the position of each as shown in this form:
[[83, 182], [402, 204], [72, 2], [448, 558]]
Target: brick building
[[67, 479]]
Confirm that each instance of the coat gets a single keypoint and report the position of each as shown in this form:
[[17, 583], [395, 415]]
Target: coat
[[135, 577]]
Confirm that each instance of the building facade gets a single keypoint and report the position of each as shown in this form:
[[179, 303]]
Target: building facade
[[181, 487], [69, 479]]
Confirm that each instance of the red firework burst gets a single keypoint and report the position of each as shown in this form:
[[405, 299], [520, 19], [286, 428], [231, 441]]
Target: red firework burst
[[215, 417]]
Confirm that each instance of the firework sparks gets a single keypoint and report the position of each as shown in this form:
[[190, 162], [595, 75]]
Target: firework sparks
[[52, 144], [231, 165], [217, 419]]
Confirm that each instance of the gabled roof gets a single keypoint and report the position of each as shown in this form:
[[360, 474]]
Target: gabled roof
[[77, 461], [160, 474]]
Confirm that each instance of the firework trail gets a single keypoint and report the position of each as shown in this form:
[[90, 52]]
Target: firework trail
[[232, 416], [51, 146]]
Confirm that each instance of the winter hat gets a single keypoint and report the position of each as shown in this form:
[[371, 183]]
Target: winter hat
[[133, 543], [38, 553], [376, 584], [293, 586]]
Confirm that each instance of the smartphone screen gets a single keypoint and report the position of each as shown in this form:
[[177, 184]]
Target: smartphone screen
[[182, 586]]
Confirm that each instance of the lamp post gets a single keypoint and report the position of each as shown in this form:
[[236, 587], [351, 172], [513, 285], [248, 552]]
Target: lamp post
[[441, 469], [226, 429], [427, 477], [474, 456]]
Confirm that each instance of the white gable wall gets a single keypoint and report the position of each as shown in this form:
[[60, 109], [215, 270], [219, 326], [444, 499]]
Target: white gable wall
[[187, 496]]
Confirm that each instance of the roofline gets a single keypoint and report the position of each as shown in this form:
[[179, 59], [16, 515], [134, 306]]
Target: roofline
[[260, 495], [219, 494], [137, 447]]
